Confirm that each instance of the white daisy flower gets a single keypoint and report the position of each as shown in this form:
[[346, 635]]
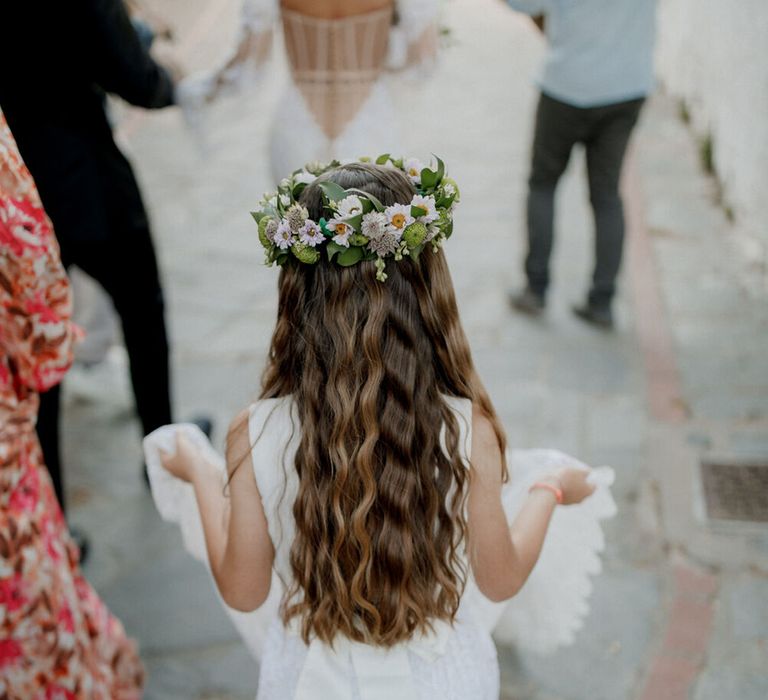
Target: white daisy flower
[[283, 236], [428, 204], [413, 168], [341, 230], [374, 224], [310, 234], [349, 207], [343, 238], [304, 177], [398, 217]]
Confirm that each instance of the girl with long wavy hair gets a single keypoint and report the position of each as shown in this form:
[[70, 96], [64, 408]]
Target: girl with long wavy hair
[[364, 507]]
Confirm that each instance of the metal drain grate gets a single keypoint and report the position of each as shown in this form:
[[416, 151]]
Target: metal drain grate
[[736, 490]]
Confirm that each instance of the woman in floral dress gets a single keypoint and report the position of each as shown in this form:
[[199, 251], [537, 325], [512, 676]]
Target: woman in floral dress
[[58, 641]]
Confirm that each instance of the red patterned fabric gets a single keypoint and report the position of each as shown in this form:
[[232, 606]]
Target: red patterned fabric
[[58, 641]]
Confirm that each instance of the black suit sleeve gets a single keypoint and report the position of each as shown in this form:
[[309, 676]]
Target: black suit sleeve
[[119, 62]]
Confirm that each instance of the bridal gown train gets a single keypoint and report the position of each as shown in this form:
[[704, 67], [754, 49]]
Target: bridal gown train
[[455, 662], [337, 103]]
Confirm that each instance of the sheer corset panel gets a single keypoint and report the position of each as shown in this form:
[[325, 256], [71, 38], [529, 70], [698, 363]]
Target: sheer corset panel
[[335, 62]]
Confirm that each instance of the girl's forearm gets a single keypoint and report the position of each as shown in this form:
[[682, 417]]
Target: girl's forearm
[[530, 528], [214, 513]]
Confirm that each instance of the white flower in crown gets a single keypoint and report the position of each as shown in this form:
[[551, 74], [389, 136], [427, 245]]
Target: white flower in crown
[[304, 177], [398, 217], [310, 234], [349, 207], [284, 235], [285, 200], [374, 224], [341, 231], [428, 204], [413, 168]]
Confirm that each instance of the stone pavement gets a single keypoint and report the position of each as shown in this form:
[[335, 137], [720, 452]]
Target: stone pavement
[[681, 610]]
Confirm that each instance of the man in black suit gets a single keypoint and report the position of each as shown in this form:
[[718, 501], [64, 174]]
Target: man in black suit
[[59, 60]]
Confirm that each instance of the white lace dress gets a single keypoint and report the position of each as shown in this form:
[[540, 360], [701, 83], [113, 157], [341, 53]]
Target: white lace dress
[[454, 663], [337, 103]]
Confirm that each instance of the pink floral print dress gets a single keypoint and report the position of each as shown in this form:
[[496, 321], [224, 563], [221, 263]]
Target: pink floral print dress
[[58, 641]]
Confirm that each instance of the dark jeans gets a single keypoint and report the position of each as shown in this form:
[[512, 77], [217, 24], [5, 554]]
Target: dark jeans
[[125, 265], [605, 132]]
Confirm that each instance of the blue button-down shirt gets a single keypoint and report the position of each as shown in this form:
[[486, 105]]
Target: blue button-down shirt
[[600, 51]]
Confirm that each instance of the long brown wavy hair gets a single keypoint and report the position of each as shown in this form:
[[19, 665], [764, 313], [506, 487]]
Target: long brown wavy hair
[[379, 514]]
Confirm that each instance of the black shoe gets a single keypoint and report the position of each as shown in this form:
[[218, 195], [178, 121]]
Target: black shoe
[[82, 542], [528, 302], [599, 316]]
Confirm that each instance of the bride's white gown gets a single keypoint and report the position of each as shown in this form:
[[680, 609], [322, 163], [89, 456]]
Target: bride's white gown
[[454, 663], [337, 103]]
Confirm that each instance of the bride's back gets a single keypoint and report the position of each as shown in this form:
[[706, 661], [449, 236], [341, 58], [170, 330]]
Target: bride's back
[[336, 50]]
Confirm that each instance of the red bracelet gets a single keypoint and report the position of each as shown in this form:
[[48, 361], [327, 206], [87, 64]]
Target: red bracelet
[[543, 485]]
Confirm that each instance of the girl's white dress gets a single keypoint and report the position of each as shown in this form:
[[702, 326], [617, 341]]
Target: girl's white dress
[[455, 662], [337, 103]]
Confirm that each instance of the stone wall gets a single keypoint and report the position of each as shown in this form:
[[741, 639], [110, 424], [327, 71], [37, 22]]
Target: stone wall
[[714, 55]]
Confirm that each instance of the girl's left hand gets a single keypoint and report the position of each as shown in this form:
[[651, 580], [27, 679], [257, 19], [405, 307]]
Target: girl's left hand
[[184, 461]]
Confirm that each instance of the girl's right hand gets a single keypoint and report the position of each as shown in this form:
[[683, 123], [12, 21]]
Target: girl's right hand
[[574, 485], [184, 461]]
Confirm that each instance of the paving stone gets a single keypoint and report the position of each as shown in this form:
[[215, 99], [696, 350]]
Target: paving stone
[[748, 606], [169, 604], [719, 683], [754, 442], [731, 406], [616, 423], [613, 643], [224, 672]]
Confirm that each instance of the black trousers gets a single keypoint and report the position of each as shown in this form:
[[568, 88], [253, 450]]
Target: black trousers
[[125, 265], [605, 132]]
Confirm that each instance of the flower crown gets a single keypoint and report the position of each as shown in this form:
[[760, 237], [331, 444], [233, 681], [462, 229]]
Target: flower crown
[[357, 226]]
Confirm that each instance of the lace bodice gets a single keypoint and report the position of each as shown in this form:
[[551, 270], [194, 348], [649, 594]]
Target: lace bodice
[[335, 62]]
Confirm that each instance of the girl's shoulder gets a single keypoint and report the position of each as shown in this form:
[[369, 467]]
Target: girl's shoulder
[[274, 435], [265, 409], [272, 422]]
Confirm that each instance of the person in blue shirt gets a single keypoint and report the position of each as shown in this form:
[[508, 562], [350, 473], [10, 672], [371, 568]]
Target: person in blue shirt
[[597, 72]]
